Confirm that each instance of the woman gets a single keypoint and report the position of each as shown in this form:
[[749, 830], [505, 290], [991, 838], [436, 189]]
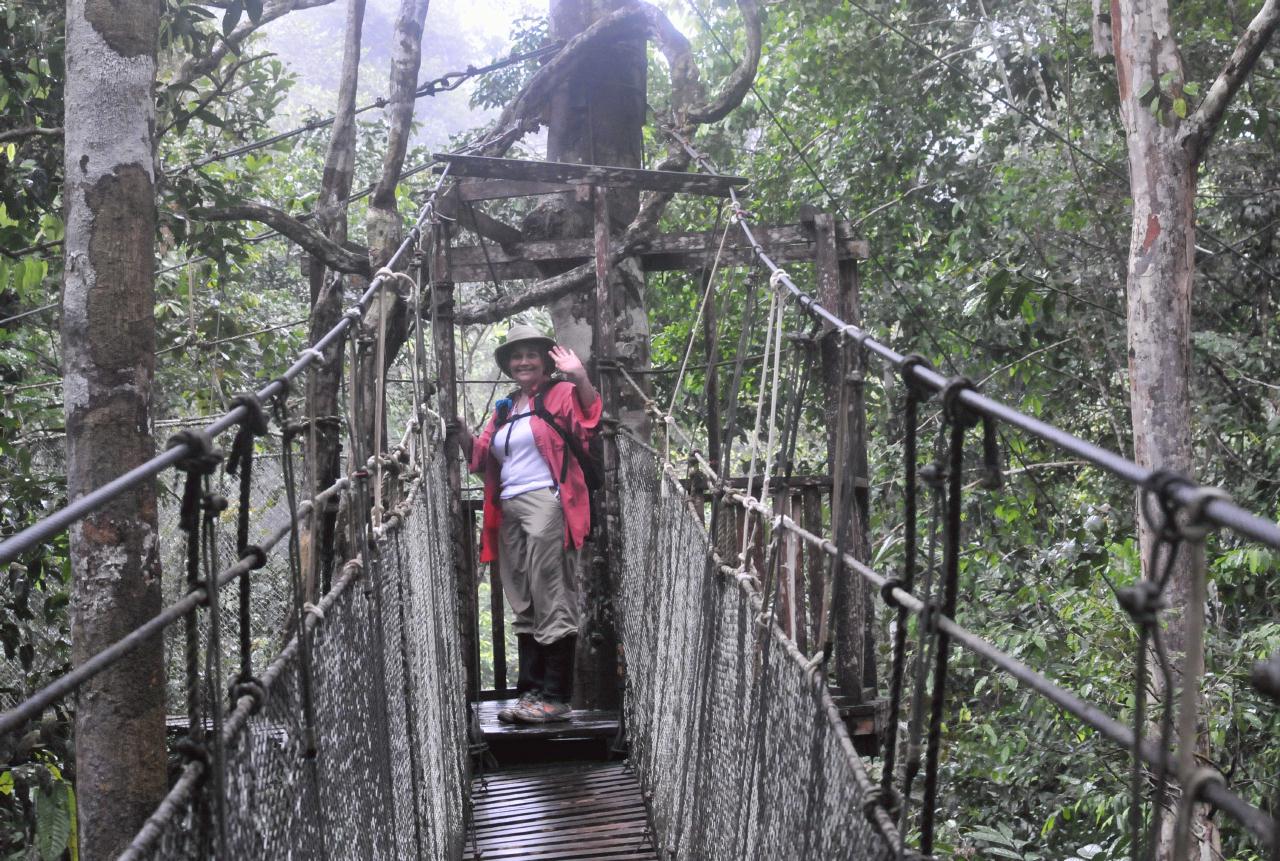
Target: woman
[[536, 510]]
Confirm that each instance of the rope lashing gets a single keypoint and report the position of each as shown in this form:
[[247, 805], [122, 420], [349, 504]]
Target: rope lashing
[[1143, 601], [254, 424], [959, 419], [290, 431], [1193, 786], [213, 505], [916, 393]]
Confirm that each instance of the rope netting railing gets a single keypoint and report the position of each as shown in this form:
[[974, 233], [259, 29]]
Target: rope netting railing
[[365, 754], [1168, 777], [733, 731]]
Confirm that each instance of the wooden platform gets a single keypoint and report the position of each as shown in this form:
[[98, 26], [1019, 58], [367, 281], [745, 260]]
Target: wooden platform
[[581, 724], [562, 812]]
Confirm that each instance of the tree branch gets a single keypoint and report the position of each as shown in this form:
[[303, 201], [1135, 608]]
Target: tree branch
[[309, 239], [29, 131], [196, 67], [1205, 121], [475, 220]]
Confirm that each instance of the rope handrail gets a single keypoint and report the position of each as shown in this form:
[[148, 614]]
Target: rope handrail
[[1261, 825], [1218, 510], [53, 524]]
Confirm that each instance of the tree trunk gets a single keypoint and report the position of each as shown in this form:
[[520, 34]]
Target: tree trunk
[[383, 226], [598, 118], [322, 465], [108, 334], [1165, 151]]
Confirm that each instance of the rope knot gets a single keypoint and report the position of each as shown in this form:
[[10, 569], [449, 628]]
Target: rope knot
[[313, 610], [934, 474], [1164, 518], [202, 457], [776, 279], [916, 387], [884, 798], [214, 504], [886, 591], [258, 555], [255, 419], [251, 687], [1265, 677], [354, 313], [1142, 601], [192, 750], [953, 408]]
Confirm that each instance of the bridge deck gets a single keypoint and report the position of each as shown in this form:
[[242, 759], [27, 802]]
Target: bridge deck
[[581, 811]]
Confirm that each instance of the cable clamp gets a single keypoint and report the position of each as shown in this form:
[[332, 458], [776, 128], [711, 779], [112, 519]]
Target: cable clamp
[[202, 457]]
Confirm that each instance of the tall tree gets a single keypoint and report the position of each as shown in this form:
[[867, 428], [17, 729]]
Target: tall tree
[[1166, 147], [327, 292], [108, 334]]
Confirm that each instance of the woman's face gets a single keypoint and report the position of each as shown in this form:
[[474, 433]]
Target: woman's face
[[526, 365]]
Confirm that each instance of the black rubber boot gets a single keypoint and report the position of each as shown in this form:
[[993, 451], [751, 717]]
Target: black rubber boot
[[533, 666], [559, 675]]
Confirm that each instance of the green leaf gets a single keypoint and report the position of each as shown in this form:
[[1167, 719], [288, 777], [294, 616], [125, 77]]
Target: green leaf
[[1191, 88], [6, 783], [1180, 107], [231, 18], [53, 821]]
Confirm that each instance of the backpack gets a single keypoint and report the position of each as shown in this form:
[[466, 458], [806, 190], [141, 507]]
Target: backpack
[[589, 458]]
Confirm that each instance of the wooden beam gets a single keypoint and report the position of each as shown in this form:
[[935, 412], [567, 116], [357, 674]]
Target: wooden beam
[[787, 243], [497, 189], [483, 167]]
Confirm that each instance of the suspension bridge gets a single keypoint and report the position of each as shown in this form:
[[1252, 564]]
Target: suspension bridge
[[366, 734]]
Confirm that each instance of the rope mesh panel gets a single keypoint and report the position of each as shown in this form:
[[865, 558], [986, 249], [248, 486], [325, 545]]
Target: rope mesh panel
[[390, 773], [738, 741]]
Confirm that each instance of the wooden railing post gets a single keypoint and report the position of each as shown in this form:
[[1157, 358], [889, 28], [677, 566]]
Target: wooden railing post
[[447, 400], [847, 461], [595, 678]]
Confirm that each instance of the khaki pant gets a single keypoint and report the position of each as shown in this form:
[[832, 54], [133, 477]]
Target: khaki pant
[[537, 570]]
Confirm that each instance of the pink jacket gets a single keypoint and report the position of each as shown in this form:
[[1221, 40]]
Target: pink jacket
[[562, 402]]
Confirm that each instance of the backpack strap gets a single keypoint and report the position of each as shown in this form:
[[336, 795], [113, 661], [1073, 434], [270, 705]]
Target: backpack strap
[[570, 441]]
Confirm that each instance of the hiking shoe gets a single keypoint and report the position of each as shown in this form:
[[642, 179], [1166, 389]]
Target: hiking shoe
[[543, 711], [508, 715]]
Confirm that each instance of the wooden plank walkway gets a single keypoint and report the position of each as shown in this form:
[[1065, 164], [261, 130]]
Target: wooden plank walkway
[[581, 811], [581, 724]]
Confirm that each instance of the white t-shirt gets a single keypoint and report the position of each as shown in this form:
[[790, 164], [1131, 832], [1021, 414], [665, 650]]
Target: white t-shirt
[[523, 468]]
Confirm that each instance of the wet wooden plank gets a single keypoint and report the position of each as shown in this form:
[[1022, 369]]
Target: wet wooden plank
[[576, 812], [526, 170]]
